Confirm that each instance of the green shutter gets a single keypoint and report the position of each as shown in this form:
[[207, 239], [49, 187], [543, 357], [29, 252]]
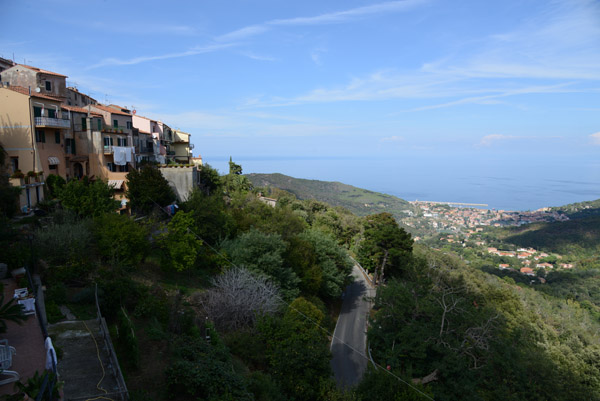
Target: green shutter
[[57, 136]]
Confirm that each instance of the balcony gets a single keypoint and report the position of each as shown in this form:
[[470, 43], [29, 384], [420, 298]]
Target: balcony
[[191, 146], [116, 130], [108, 150], [52, 122]]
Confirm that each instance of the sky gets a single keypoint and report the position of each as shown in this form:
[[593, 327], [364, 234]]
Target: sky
[[435, 82]]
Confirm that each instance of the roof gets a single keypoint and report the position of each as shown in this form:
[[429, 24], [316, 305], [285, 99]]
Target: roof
[[143, 132], [79, 110], [25, 91], [116, 106], [110, 110], [36, 69]]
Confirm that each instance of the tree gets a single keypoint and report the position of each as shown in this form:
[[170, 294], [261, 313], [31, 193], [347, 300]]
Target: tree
[[386, 248], [120, 239], [297, 350], [147, 189], [55, 183], [263, 253], [88, 198], [211, 222], [238, 298], [235, 182], [180, 244], [210, 181]]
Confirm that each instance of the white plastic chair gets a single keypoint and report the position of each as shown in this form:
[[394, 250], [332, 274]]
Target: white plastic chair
[[6, 354]]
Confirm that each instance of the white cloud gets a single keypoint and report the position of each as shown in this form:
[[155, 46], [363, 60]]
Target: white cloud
[[137, 60], [393, 138], [595, 138], [337, 17], [489, 140]]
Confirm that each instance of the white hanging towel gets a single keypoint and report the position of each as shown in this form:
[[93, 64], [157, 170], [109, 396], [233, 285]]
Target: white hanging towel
[[50, 354], [119, 155], [128, 154]]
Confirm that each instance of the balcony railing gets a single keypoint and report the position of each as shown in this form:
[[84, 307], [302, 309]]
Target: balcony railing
[[146, 149], [52, 122], [108, 149], [116, 130]]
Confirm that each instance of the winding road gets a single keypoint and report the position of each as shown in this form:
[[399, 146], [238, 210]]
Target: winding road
[[348, 346]]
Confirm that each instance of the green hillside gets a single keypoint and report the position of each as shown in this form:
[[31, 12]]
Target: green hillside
[[579, 237], [359, 201], [580, 209]]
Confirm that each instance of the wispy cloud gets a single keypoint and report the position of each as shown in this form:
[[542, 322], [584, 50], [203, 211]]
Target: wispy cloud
[[393, 138], [315, 55], [489, 140], [337, 17], [595, 138], [258, 57], [137, 60]]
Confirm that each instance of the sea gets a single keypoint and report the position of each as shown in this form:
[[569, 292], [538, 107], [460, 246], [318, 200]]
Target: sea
[[520, 183]]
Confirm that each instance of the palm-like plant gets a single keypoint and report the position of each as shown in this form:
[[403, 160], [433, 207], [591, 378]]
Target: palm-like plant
[[10, 311]]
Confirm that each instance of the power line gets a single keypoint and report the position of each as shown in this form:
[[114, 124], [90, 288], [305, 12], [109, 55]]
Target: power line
[[317, 324]]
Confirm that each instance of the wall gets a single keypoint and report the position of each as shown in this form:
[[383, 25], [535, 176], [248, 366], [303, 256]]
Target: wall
[[182, 179], [16, 118]]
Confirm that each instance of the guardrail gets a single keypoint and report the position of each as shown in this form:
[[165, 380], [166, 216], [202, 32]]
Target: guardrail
[[52, 122]]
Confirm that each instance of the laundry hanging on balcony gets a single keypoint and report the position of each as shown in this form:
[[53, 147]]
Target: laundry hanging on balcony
[[53, 160]]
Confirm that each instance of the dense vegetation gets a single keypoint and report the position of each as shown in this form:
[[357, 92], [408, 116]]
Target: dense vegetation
[[233, 299], [359, 201]]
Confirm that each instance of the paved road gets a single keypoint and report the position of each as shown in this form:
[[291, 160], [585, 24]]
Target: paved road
[[350, 338]]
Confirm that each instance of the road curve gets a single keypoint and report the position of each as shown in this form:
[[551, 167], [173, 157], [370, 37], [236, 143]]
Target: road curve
[[348, 347]]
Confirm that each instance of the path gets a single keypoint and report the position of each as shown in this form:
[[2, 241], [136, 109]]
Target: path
[[348, 346]]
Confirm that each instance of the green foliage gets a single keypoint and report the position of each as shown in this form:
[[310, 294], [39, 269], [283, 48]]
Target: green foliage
[[263, 253], [65, 240], [33, 386], [379, 385], [127, 339], [88, 198], [386, 248], [121, 240], [211, 221], [235, 182], [53, 312], [210, 181], [296, 344], [357, 200], [10, 311], [147, 189], [55, 184], [334, 264], [180, 244], [202, 370]]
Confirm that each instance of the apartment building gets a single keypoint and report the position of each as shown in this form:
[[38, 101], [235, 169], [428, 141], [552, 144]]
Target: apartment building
[[182, 147], [49, 128]]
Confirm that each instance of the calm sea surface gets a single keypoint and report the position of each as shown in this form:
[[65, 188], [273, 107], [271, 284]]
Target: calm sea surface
[[523, 183]]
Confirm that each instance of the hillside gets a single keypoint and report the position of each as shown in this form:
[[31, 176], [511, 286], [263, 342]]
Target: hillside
[[579, 237], [580, 209], [359, 201]]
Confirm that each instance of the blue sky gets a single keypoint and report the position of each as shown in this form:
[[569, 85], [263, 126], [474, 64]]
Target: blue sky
[[512, 79]]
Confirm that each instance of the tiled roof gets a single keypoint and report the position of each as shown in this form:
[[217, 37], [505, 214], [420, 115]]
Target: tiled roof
[[110, 110], [25, 91], [79, 110], [42, 71]]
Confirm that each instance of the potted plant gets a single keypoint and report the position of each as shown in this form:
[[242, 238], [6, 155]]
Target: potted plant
[[18, 174], [30, 175], [40, 176]]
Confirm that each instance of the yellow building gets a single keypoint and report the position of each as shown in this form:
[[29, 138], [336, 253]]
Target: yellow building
[[181, 147]]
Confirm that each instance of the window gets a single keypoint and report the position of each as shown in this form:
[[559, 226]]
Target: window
[[99, 124], [128, 124], [123, 169], [111, 167], [51, 113], [37, 111], [122, 141], [48, 86], [108, 141], [83, 123], [14, 163], [53, 166], [40, 135], [57, 136], [116, 123]]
